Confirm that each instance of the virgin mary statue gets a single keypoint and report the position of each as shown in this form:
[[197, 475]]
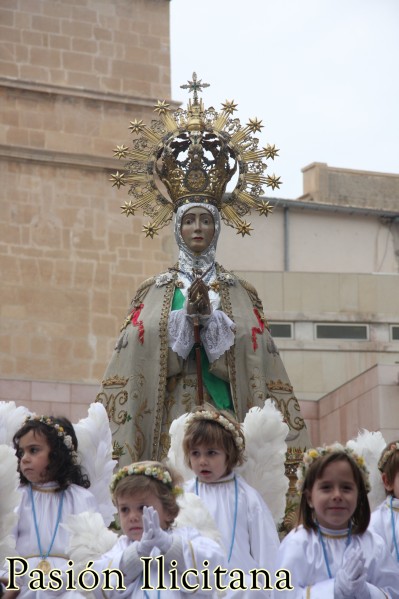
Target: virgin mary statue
[[195, 333]]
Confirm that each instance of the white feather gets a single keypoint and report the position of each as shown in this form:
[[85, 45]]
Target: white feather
[[11, 419], [175, 454], [9, 500], [95, 452], [370, 445], [89, 538], [193, 513], [265, 449]]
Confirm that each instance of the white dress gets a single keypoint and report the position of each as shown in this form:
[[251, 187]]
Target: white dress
[[301, 553], [47, 501], [189, 548], [381, 523], [255, 541]]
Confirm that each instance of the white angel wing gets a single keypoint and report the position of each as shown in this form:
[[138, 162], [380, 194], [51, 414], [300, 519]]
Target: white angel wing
[[194, 513], [265, 449], [89, 538], [11, 419], [370, 445], [175, 454], [95, 452], [9, 500]]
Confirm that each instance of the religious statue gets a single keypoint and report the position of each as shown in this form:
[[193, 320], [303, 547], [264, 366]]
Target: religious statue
[[196, 332]]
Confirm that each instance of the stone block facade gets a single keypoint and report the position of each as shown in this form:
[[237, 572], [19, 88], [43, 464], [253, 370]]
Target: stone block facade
[[350, 188], [72, 75]]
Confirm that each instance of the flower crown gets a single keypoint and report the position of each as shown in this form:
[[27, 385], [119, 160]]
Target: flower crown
[[393, 447], [315, 453], [157, 472], [214, 416], [49, 420]]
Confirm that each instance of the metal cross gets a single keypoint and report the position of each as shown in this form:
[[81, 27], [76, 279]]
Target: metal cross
[[195, 86]]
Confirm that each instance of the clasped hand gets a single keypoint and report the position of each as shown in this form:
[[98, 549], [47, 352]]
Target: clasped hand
[[350, 580], [198, 298], [153, 535]]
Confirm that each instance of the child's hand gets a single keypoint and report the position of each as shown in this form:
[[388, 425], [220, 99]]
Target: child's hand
[[350, 580], [146, 543], [153, 535], [162, 539]]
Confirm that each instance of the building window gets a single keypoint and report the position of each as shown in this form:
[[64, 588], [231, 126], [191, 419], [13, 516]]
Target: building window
[[342, 331], [395, 332], [283, 330]]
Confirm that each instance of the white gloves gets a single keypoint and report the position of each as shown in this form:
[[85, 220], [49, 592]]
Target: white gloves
[[350, 580], [153, 535]]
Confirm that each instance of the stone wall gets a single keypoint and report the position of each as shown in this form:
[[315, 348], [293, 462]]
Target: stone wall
[[72, 76], [351, 188]]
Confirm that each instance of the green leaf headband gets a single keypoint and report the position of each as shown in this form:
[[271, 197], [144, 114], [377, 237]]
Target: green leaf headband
[[214, 416], [49, 421], [313, 454], [157, 472], [393, 447]]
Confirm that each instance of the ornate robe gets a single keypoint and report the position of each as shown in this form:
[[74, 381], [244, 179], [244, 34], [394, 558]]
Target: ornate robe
[[147, 385]]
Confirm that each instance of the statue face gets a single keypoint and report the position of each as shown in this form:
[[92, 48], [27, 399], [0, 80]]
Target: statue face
[[197, 229]]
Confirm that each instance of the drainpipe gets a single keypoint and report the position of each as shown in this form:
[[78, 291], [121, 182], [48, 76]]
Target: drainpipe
[[286, 241]]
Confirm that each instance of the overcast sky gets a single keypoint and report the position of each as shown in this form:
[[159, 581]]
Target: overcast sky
[[323, 75]]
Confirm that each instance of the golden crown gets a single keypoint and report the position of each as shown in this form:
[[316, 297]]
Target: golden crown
[[190, 156]]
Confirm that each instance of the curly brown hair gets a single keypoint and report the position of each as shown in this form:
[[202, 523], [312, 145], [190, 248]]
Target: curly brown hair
[[62, 468]]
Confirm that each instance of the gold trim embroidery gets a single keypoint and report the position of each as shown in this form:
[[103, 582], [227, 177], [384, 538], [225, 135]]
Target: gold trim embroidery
[[115, 381], [297, 423], [328, 536], [46, 490], [110, 404], [163, 359], [231, 354], [279, 386]]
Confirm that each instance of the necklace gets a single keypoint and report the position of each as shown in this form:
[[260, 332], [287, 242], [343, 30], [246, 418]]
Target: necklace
[[233, 534], [44, 565], [393, 530], [348, 540]]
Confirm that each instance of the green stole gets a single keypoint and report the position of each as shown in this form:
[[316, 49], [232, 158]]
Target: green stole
[[218, 390]]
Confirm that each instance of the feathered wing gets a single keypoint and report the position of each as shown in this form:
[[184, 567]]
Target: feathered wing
[[193, 513], [9, 500], [95, 452], [175, 454], [89, 538], [370, 446], [11, 419], [265, 449]]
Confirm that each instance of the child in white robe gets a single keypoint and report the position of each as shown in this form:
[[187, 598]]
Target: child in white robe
[[53, 486], [145, 494], [331, 554], [385, 519], [213, 446]]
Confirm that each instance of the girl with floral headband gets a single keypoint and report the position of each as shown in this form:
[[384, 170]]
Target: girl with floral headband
[[385, 519], [146, 496], [331, 554], [53, 487], [213, 446]]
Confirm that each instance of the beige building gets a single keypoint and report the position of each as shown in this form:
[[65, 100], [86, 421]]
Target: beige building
[[326, 264]]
